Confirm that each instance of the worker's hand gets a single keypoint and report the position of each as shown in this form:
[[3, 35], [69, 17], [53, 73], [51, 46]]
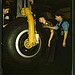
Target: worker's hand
[[49, 43], [64, 44], [4, 25], [16, 16], [42, 20]]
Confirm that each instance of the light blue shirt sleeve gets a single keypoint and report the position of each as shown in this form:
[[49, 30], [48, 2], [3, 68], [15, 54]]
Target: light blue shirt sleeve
[[56, 26], [65, 26]]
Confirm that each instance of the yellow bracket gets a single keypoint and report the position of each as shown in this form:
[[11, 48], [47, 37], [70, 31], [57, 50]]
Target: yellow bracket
[[31, 38], [26, 44]]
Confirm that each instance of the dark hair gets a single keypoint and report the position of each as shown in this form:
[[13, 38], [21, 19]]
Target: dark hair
[[5, 5], [59, 13]]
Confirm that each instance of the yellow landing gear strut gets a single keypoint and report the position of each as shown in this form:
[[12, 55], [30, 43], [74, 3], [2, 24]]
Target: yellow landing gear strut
[[30, 41]]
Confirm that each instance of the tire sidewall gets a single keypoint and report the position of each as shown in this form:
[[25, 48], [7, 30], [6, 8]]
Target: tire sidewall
[[12, 32]]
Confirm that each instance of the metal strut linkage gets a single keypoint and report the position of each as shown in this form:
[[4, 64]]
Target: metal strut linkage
[[30, 41]]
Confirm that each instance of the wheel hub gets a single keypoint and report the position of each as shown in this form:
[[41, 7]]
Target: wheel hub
[[27, 45]]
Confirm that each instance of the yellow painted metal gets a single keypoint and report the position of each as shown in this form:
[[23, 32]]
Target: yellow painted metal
[[30, 25], [23, 11], [31, 38], [26, 44]]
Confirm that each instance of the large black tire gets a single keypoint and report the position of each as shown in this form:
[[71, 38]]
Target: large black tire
[[14, 52]]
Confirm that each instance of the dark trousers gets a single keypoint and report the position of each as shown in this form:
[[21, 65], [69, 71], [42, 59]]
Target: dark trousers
[[61, 52], [51, 50], [56, 52]]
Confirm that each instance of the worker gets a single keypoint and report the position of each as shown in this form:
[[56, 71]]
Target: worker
[[50, 49], [5, 11], [52, 31], [6, 5], [60, 32]]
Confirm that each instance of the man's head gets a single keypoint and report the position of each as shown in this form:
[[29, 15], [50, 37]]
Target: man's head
[[58, 15]]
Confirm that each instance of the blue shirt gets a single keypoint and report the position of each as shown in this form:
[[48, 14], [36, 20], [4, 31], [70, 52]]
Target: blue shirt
[[65, 25]]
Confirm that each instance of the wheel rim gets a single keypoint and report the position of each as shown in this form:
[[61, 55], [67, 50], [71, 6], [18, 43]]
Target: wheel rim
[[21, 50]]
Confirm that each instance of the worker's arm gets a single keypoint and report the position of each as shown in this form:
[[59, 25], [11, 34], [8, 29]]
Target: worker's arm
[[45, 26], [64, 40], [42, 20], [5, 25], [65, 28], [51, 36]]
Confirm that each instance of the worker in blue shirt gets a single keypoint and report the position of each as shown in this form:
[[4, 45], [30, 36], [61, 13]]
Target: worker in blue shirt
[[60, 32]]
